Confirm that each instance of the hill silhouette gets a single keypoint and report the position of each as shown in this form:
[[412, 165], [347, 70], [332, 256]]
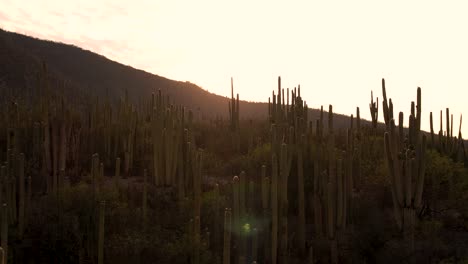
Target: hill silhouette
[[80, 69]]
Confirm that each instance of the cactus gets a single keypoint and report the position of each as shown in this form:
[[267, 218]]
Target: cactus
[[62, 146], [233, 106], [3, 182], [145, 200], [117, 169], [4, 236], [6, 183], [197, 168], [217, 229], [235, 204], [265, 189], [100, 174], [55, 156], [95, 175], [300, 192], [406, 164], [46, 166], [432, 129], [21, 196], [254, 244], [374, 110], [234, 109], [274, 209], [227, 236], [28, 199], [311, 255], [242, 195], [102, 209]]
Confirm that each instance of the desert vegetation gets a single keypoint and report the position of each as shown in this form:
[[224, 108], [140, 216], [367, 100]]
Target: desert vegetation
[[107, 176], [87, 180]]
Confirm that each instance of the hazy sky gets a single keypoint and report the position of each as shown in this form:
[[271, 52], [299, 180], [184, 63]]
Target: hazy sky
[[338, 51]]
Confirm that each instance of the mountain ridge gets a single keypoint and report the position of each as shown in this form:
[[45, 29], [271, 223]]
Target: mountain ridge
[[102, 76]]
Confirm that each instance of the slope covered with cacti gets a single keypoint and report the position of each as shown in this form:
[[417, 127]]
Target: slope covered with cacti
[[100, 178]]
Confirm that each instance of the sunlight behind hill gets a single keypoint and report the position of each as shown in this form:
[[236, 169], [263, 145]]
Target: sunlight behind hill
[[337, 50]]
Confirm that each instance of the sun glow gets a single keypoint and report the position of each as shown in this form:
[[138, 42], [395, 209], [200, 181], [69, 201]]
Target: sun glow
[[337, 50]]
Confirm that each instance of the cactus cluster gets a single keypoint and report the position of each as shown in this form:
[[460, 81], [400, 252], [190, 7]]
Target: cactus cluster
[[405, 155], [446, 143], [233, 106], [316, 158], [305, 195]]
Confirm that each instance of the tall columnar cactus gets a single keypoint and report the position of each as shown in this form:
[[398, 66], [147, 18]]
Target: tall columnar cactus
[[4, 235], [168, 129], [310, 257], [374, 110], [62, 144], [300, 193], [448, 144], [412, 170], [331, 221], [235, 206], [332, 182], [95, 175], [274, 208], [284, 169], [47, 163], [55, 155], [387, 106], [432, 129], [28, 200], [3, 182], [21, 195], [254, 244], [242, 239], [197, 171], [242, 194], [266, 191], [234, 109], [101, 174], [145, 200], [233, 106], [117, 173], [7, 186], [406, 166], [102, 209], [227, 236]]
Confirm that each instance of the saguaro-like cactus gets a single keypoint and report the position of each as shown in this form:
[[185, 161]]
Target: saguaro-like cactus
[[145, 200], [300, 193], [233, 106], [406, 166], [102, 210], [95, 175], [117, 169], [21, 196], [234, 109], [197, 165], [274, 209], [4, 238], [227, 236], [374, 110], [266, 192]]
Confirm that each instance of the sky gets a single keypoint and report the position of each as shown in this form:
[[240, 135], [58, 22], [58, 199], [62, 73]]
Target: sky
[[338, 51]]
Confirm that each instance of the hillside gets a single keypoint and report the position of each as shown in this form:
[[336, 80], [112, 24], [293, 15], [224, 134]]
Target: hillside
[[85, 179], [95, 73]]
